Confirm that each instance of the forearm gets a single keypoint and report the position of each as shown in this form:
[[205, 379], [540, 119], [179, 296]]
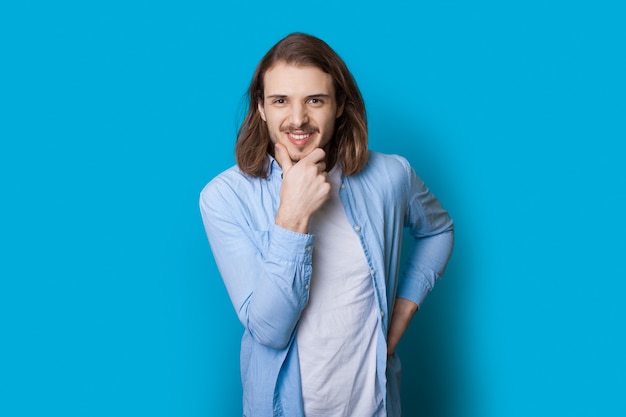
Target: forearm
[[280, 289], [425, 264], [424, 267], [403, 312], [266, 273]]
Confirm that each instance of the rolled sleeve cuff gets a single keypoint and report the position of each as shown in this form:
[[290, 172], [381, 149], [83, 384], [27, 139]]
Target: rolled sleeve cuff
[[287, 245], [413, 289]]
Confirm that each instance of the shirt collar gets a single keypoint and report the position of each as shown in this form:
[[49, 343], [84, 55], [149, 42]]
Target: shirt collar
[[274, 169]]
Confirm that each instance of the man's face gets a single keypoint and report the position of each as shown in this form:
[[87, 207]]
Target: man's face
[[300, 107]]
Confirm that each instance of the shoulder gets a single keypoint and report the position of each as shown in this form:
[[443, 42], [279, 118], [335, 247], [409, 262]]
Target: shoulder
[[386, 175], [229, 184], [387, 162], [389, 168]]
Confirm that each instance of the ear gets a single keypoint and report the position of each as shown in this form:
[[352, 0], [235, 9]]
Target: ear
[[341, 101], [261, 111], [339, 111]]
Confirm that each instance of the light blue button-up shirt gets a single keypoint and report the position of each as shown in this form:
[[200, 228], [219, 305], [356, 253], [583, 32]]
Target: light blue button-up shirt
[[267, 269]]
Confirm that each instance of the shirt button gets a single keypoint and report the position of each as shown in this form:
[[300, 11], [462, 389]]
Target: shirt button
[[309, 248], [306, 286], [357, 228], [373, 272], [343, 185], [382, 313]]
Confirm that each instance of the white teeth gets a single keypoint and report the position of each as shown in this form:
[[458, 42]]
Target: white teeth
[[300, 137]]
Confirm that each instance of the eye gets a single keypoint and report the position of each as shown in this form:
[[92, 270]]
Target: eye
[[315, 101], [279, 101]]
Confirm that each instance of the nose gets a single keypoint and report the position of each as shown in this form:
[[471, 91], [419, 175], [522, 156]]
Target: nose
[[298, 116]]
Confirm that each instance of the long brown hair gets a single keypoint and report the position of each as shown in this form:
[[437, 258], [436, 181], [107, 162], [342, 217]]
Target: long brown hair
[[348, 145]]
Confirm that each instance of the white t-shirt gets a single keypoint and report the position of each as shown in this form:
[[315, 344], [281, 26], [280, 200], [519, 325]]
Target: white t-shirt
[[337, 333]]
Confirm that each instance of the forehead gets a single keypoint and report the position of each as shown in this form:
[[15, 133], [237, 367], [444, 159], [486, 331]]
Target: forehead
[[293, 80]]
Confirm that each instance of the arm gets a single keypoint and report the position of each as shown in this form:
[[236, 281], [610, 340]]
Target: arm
[[269, 288], [433, 233], [267, 273], [403, 311]]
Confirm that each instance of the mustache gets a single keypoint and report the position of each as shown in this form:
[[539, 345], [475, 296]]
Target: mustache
[[305, 127]]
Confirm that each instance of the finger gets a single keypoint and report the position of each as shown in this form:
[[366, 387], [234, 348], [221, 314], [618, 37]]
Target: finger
[[282, 157], [316, 155]]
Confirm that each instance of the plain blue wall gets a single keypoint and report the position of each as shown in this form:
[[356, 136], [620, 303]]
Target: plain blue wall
[[115, 114]]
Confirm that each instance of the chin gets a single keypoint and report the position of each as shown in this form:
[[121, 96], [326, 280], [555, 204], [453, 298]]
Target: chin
[[297, 154]]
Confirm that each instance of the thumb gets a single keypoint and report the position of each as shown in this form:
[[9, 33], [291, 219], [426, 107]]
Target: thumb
[[282, 157]]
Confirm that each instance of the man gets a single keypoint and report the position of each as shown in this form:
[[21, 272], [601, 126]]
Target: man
[[306, 232]]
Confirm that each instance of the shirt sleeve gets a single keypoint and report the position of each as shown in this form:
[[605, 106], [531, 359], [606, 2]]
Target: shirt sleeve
[[432, 230], [267, 277]]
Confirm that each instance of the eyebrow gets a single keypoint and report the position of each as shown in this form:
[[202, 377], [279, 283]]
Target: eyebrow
[[276, 96]]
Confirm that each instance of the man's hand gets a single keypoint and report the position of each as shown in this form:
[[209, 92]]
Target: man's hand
[[305, 188], [403, 311]]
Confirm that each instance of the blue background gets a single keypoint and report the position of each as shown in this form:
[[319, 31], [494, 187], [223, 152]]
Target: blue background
[[113, 116]]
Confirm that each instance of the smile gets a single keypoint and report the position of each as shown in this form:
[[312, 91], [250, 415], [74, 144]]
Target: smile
[[300, 139], [301, 136]]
